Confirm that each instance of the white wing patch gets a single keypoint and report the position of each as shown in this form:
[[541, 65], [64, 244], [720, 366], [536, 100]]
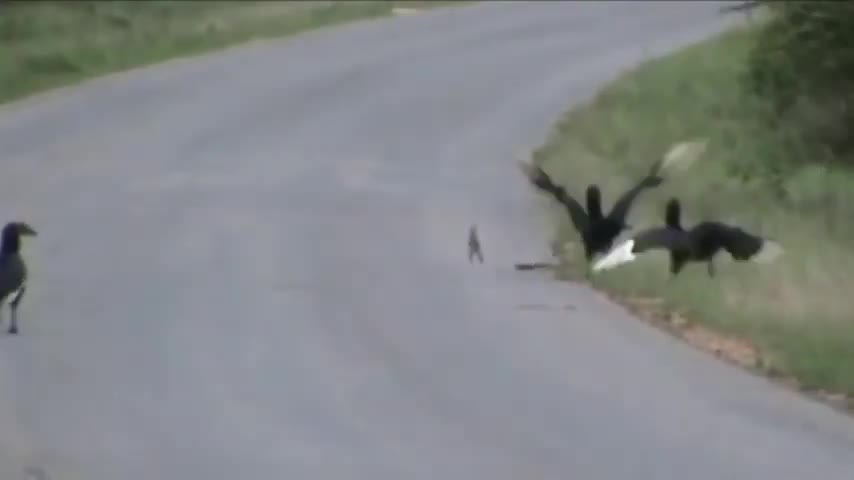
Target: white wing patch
[[618, 256]]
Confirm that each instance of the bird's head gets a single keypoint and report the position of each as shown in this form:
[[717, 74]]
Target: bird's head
[[594, 202], [12, 233], [19, 229]]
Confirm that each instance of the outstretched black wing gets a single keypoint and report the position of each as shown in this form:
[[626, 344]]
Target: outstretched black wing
[[740, 244], [660, 238], [576, 212], [621, 208]]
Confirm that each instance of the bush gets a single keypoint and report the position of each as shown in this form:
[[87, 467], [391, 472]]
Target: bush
[[803, 66], [797, 311]]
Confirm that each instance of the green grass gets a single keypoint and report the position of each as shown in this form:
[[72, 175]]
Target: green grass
[[52, 43], [800, 310]]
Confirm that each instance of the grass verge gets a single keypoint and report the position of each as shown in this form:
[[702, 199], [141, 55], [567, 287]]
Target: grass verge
[[47, 44], [796, 315]]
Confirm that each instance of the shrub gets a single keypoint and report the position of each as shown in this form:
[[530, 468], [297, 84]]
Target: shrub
[[802, 65]]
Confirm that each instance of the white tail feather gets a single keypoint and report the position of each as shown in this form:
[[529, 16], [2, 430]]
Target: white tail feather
[[617, 256], [768, 253], [683, 154]]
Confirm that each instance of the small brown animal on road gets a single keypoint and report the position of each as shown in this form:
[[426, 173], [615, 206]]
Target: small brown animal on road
[[474, 245]]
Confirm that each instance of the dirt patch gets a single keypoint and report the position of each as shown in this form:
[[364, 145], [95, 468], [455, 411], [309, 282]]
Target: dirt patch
[[731, 349]]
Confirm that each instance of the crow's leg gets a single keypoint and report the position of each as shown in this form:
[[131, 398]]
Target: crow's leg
[[13, 307]]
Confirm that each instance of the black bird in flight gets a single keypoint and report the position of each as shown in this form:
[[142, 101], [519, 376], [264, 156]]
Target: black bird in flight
[[700, 243], [598, 231]]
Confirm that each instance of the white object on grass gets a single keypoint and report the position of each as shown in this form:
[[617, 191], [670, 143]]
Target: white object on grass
[[683, 154]]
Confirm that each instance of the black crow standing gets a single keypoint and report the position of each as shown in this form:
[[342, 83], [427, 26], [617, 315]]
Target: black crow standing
[[13, 271]]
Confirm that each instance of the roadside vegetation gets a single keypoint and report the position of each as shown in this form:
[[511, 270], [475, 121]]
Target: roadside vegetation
[[776, 102], [46, 44]]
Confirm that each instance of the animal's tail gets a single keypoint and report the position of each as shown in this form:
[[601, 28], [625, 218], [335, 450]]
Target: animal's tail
[[534, 266]]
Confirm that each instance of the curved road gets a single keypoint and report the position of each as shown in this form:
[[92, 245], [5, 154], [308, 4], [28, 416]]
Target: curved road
[[252, 265]]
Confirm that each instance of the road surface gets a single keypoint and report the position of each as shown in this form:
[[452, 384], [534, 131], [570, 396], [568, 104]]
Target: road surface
[[253, 265]]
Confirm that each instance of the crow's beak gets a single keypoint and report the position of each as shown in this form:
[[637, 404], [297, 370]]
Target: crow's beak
[[25, 229]]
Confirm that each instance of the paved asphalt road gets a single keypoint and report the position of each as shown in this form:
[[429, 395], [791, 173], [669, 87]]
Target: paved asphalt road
[[252, 265]]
